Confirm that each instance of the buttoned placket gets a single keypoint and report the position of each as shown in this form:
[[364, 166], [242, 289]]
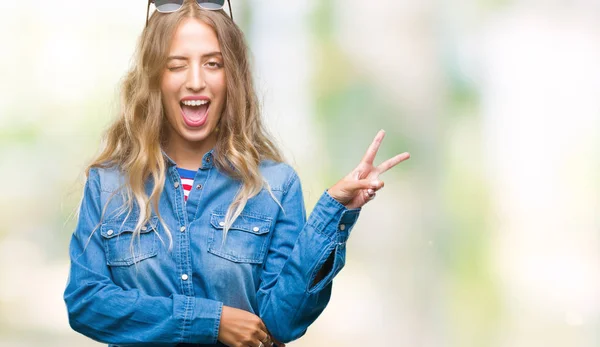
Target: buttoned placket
[[185, 214], [194, 201], [181, 251]]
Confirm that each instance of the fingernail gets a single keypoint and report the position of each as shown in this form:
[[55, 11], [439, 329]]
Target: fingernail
[[370, 191]]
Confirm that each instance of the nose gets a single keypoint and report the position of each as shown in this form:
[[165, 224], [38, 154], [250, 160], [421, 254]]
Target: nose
[[195, 79]]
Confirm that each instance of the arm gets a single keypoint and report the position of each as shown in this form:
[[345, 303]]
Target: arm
[[298, 273], [296, 282], [105, 312]]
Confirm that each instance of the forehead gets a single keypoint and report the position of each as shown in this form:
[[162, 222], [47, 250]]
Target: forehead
[[194, 37]]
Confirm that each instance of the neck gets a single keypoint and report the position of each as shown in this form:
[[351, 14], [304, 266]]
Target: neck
[[188, 155]]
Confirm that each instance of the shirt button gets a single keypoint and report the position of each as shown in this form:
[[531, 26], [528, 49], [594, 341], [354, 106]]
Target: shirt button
[[110, 232], [199, 186], [221, 223], [342, 227], [144, 228], [184, 277], [176, 184], [255, 229], [182, 229]]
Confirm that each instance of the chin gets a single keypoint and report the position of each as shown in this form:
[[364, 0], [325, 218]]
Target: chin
[[196, 135]]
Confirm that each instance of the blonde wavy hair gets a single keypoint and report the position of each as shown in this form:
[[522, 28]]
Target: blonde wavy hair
[[133, 141]]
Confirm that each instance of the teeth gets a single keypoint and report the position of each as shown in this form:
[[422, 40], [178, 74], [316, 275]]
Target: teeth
[[194, 102]]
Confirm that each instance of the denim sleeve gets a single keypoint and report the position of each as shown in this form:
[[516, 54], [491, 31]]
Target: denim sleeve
[[288, 300], [107, 313]]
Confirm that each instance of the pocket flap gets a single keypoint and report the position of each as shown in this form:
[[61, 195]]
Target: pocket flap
[[249, 223], [115, 228]]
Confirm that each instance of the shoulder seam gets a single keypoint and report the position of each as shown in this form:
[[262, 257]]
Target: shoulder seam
[[293, 177]]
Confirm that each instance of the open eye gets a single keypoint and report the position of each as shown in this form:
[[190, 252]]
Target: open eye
[[214, 64]]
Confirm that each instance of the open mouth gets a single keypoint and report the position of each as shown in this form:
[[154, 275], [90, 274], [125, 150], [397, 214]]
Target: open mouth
[[195, 112]]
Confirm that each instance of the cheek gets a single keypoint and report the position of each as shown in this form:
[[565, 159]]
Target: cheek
[[221, 94], [223, 88], [219, 85], [169, 86], [170, 103]]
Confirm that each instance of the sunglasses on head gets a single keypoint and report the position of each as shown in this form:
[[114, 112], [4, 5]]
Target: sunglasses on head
[[168, 6]]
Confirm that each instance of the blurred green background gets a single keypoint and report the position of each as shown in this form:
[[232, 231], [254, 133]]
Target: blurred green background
[[487, 236]]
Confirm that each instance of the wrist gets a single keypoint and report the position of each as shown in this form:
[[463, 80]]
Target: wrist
[[335, 195]]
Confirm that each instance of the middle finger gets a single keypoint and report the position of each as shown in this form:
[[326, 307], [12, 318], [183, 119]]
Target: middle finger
[[390, 163]]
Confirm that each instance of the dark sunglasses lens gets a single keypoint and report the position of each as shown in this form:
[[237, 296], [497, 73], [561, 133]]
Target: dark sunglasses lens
[[211, 4], [168, 5]]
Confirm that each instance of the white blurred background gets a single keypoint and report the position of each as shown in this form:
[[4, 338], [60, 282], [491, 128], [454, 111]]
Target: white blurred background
[[487, 236]]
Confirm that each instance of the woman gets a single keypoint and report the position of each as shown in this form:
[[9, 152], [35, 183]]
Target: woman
[[192, 230]]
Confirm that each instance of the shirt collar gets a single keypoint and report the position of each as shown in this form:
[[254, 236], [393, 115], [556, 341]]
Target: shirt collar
[[207, 159], [170, 162]]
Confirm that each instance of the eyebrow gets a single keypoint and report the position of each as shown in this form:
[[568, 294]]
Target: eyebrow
[[207, 55]]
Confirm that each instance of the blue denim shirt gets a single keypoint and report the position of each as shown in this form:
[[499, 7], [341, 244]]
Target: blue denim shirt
[[163, 297]]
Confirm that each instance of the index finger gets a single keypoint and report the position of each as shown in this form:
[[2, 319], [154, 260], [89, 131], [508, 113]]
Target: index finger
[[264, 338], [369, 157]]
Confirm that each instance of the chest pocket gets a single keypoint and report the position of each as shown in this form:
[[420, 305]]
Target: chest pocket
[[119, 249], [247, 240]]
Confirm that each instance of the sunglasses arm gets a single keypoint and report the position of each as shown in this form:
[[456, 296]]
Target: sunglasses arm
[[148, 11], [230, 13]]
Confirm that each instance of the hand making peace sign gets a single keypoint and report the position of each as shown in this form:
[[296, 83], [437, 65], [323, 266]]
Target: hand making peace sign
[[360, 185]]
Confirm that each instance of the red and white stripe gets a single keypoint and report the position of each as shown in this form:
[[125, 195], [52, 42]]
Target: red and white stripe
[[187, 184]]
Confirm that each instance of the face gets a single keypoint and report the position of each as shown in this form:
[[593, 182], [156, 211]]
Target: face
[[193, 86]]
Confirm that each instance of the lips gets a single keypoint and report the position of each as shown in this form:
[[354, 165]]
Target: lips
[[194, 111]]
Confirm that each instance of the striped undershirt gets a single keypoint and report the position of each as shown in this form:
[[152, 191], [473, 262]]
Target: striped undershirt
[[187, 181]]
